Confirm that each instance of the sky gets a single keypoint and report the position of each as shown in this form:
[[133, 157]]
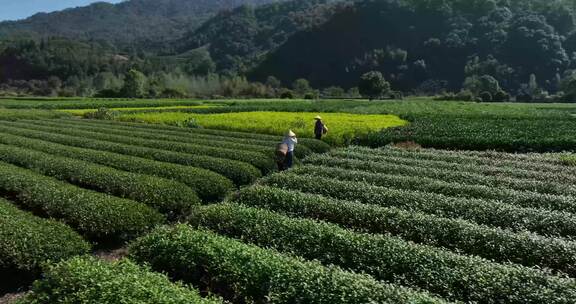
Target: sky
[[20, 9]]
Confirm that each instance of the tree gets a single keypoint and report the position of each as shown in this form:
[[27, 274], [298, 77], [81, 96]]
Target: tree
[[301, 86], [569, 86], [334, 92], [134, 84], [373, 85], [199, 62], [273, 82], [485, 83]]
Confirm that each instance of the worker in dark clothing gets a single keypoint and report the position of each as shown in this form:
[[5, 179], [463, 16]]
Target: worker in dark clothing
[[320, 129]]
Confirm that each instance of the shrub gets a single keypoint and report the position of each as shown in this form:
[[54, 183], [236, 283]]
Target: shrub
[[447, 96], [166, 196], [247, 273], [210, 186], [482, 212], [172, 93], [501, 96], [396, 166], [214, 136], [86, 280], [317, 146], [92, 213], [465, 95], [372, 85], [486, 96], [397, 95], [239, 172], [454, 234], [523, 170], [263, 162], [102, 113], [141, 133], [417, 183], [386, 258], [311, 95], [286, 94], [27, 241], [190, 123]]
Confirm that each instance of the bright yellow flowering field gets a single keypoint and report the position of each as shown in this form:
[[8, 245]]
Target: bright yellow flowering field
[[342, 126]]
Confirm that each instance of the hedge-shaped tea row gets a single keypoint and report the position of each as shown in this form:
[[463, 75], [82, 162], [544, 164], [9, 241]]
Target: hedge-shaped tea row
[[488, 154], [460, 158], [261, 161], [239, 172], [317, 146], [446, 175], [368, 216], [386, 258], [27, 241], [416, 183], [544, 134], [454, 234], [164, 195], [251, 274], [526, 163], [557, 177], [86, 280], [92, 213], [494, 155], [139, 133], [482, 212], [210, 186], [301, 150]]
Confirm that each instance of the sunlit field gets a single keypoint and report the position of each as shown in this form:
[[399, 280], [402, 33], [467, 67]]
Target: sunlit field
[[343, 127]]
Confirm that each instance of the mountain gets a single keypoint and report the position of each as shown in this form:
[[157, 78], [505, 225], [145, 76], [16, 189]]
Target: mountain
[[525, 47], [433, 45], [144, 22], [241, 38]]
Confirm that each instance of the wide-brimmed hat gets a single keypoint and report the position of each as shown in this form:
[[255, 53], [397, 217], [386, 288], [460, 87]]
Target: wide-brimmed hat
[[318, 117], [291, 134]]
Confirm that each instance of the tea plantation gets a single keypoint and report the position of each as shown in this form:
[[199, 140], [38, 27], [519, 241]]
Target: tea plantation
[[432, 203]]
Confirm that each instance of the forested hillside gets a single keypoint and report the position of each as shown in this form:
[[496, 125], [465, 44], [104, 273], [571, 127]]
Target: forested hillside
[[145, 22], [429, 45], [239, 39], [523, 48]]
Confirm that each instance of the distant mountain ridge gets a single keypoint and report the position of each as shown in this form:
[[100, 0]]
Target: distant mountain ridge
[[126, 23]]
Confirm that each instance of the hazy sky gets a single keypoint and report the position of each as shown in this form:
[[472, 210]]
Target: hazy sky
[[19, 9]]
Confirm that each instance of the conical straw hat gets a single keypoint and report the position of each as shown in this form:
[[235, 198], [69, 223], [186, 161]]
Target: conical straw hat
[[290, 134], [318, 117]]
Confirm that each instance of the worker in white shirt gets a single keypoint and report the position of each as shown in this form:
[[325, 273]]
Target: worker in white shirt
[[290, 140]]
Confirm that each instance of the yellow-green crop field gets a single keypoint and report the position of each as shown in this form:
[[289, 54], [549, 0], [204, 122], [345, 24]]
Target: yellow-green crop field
[[343, 127], [80, 112]]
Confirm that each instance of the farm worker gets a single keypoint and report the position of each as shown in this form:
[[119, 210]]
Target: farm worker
[[290, 141], [320, 128]]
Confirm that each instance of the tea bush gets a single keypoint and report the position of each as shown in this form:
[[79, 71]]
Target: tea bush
[[489, 213], [261, 161], [86, 280], [454, 234], [92, 213], [239, 172], [387, 258], [27, 242], [246, 273], [464, 177], [164, 195], [418, 183]]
